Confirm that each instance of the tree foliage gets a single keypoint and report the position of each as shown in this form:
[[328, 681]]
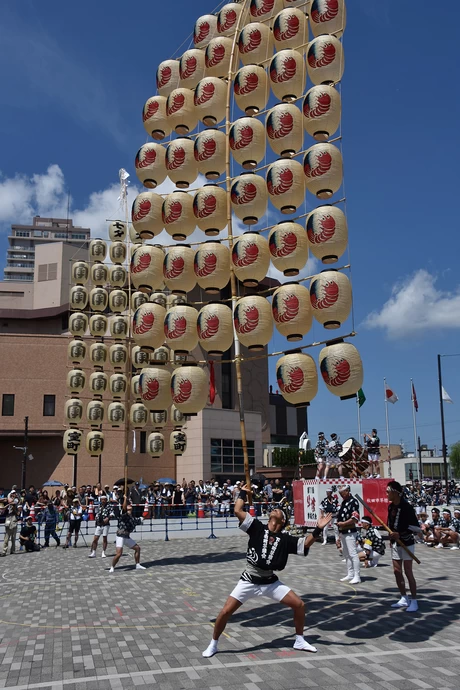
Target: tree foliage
[[454, 457], [291, 457]]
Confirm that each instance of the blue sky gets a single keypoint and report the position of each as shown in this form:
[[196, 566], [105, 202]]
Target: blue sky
[[75, 78]]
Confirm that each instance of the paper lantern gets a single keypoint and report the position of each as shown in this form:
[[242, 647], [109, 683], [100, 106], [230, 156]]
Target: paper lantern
[[249, 198], [135, 390], [288, 246], [155, 444], [328, 17], [72, 441], [161, 355], [287, 75], [118, 301], [95, 443], [303, 4], [212, 266], [327, 233], [147, 268], [76, 351], [98, 382], [290, 30], [215, 328], [95, 412], [167, 77], [118, 385], [116, 414], [155, 388], [322, 110], [180, 162], [177, 359], [247, 142], [251, 89], [140, 358], [134, 236], [98, 325], [117, 231], [80, 272], [286, 185], [178, 442], [189, 389], [138, 415], [146, 214], [250, 258], [209, 152], [178, 218], [205, 29], [325, 61], [159, 297], [78, 297], [118, 355], [253, 322], [98, 355], [147, 327], [117, 275], [330, 297], [150, 165], [73, 411], [210, 100], [291, 311], [155, 119], [323, 169], [262, 10], [255, 44], [78, 323], [159, 419], [99, 274], [284, 129], [217, 56], [297, 378], [181, 112], [76, 380], [174, 299], [117, 252], [227, 19], [180, 328], [178, 272], [98, 299], [341, 368], [210, 209], [97, 250], [118, 326], [191, 68], [138, 298], [178, 418]]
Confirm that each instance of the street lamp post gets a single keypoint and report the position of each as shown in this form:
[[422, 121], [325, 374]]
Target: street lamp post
[[443, 430]]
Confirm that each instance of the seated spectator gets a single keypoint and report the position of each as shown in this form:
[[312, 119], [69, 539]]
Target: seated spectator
[[28, 535], [429, 526], [446, 532]]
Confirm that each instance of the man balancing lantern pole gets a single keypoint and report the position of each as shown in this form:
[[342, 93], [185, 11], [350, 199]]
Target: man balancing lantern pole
[[268, 550]]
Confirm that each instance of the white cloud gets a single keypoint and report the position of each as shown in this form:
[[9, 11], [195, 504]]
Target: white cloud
[[21, 196], [416, 306]]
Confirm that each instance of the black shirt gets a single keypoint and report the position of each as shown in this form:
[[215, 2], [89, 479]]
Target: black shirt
[[29, 532], [400, 518]]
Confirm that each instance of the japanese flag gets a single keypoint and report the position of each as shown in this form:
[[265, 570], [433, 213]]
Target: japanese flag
[[390, 396]]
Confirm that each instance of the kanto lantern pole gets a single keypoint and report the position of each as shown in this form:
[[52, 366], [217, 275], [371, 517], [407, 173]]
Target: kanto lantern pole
[[443, 429], [129, 370]]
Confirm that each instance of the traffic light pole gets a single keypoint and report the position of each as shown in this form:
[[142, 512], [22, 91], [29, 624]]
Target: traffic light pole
[[443, 430]]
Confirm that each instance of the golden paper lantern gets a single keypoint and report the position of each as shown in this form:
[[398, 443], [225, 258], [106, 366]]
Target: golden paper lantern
[[180, 328], [72, 441], [292, 311], [209, 152], [286, 185], [117, 275], [159, 419], [117, 231], [147, 327], [98, 382], [138, 415], [205, 29], [323, 169], [327, 233], [147, 268], [98, 355], [135, 390], [180, 109], [73, 411], [159, 297], [284, 129], [98, 325], [262, 10], [227, 19], [118, 326], [138, 298], [180, 162], [297, 378], [210, 99], [95, 443], [118, 355], [322, 110], [290, 30], [76, 380], [116, 414], [191, 68], [341, 368], [155, 119], [76, 351], [178, 272], [140, 357], [325, 61], [250, 258], [97, 250], [98, 299], [167, 77], [287, 75], [178, 218], [155, 444], [247, 142], [255, 44], [95, 412], [134, 236], [217, 56], [253, 322], [189, 389], [251, 89], [78, 297], [178, 418], [210, 209], [328, 17], [330, 297], [178, 442], [161, 355], [117, 252], [249, 198], [155, 388], [78, 323], [212, 266], [174, 299], [118, 301], [80, 272], [118, 385], [100, 273], [215, 328], [150, 165], [288, 244], [146, 214]]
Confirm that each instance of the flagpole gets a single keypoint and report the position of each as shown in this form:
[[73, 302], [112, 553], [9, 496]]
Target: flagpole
[[388, 426], [443, 430], [415, 427]]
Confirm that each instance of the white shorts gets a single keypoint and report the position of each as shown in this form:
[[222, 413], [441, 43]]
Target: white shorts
[[333, 462], [398, 553], [125, 541], [246, 590], [102, 531], [320, 461], [373, 457]]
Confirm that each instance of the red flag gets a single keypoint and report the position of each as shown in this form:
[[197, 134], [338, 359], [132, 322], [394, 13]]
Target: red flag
[[212, 383], [414, 398]]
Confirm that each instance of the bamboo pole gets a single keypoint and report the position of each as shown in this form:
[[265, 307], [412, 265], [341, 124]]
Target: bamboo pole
[[129, 368]]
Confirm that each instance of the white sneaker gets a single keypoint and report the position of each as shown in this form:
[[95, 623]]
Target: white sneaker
[[210, 650], [140, 567], [92, 554], [347, 578], [402, 603], [356, 580], [112, 570], [413, 606], [439, 546], [103, 555], [344, 560], [324, 542], [454, 548]]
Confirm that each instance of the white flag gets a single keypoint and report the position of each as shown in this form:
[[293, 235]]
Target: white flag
[[134, 441], [446, 397], [390, 395]]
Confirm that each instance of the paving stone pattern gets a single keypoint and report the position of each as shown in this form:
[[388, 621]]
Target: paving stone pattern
[[65, 623]]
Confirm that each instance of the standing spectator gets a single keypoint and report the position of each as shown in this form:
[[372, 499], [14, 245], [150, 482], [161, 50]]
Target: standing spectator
[[190, 498], [166, 495], [50, 518], [75, 518], [82, 495], [11, 511], [277, 491], [226, 498], [31, 495], [135, 497], [288, 492], [178, 501], [28, 535]]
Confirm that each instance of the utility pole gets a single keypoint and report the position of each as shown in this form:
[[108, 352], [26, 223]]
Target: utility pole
[[24, 453], [443, 431], [420, 464]]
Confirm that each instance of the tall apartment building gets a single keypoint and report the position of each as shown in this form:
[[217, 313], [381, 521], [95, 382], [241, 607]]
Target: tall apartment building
[[24, 239]]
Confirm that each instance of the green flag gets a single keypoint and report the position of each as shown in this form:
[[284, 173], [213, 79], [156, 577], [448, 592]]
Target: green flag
[[361, 397]]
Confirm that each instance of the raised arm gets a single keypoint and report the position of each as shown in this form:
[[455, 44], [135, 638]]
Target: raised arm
[[318, 531], [240, 501]]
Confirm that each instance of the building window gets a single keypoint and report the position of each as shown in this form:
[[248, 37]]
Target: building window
[[78, 236], [8, 405], [22, 233], [47, 272], [49, 405], [227, 456], [143, 442]]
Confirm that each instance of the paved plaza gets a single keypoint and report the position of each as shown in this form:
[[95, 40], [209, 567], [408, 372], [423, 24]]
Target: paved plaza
[[66, 623]]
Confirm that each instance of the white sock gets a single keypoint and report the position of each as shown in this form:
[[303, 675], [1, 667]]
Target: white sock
[[103, 555], [140, 567], [302, 644], [211, 649], [112, 570], [92, 554]]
